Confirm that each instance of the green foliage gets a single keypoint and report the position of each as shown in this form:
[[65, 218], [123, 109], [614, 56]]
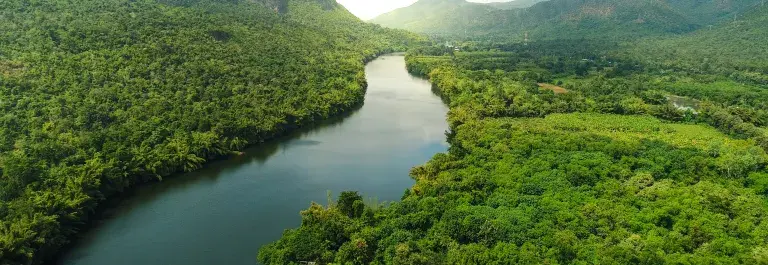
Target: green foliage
[[570, 186], [351, 204], [435, 16], [577, 188], [636, 163], [96, 96], [563, 19], [648, 153], [732, 48], [326, 235]]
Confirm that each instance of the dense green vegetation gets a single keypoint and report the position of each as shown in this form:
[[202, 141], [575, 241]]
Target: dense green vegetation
[[566, 189], [574, 148], [733, 48], [441, 16], [96, 96], [514, 4], [564, 19], [644, 158]]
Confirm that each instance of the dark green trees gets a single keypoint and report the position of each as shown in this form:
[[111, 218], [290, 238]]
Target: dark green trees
[[96, 96], [639, 161]]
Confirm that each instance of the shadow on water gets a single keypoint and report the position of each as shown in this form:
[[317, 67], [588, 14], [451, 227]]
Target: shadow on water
[[223, 213], [211, 171]]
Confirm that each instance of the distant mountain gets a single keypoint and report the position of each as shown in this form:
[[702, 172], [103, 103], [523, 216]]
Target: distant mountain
[[705, 12], [558, 19], [596, 19], [732, 44], [514, 4], [623, 18], [436, 16], [282, 5]]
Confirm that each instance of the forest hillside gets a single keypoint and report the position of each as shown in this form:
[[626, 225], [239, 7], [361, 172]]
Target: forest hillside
[[435, 16], [564, 19], [97, 96], [576, 151]]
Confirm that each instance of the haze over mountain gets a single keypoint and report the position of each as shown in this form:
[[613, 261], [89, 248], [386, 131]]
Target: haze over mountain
[[435, 16], [369, 9], [557, 19], [514, 4]]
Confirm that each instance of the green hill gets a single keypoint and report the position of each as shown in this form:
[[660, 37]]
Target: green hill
[[514, 4], [623, 18], [585, 151], [96, 96], [709, 12], [439, 17], [436, 16], [564, 19], [727, 48]]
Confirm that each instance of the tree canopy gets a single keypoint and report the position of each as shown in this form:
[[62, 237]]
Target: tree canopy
[[563, 19], [96, 96], [575, 152]]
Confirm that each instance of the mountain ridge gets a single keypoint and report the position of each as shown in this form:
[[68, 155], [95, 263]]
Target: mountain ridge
[[555, 19]]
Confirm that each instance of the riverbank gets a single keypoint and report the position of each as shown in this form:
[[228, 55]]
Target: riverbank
[[222, 213], [535, 177], [339, 111]]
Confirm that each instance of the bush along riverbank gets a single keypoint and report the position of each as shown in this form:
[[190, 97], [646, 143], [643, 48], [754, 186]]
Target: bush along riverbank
[[99, 96], [607, 173]]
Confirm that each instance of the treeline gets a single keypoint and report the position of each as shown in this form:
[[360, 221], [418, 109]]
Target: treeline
[[96, 96], [627, 20], [566, 189], [732, 48], [610, 78], [631, 164]]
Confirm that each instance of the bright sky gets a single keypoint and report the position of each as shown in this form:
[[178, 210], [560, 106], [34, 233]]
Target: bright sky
[[368, 9]]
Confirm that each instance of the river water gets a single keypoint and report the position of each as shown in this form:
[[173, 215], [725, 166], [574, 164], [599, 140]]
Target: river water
[[223, 213]]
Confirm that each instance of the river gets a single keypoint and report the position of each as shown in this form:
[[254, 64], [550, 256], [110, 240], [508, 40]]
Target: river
[[225, 212]]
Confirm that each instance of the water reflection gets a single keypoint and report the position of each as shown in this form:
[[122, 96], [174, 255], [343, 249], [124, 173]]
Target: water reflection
[[684, 103]]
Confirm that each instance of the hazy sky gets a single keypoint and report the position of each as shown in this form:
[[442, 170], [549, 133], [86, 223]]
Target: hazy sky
[[368, 9]]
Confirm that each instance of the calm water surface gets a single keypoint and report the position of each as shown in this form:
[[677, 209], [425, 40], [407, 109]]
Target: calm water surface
[[222, 214]]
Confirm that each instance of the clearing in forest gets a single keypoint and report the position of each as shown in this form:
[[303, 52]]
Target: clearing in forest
[[554, 88]]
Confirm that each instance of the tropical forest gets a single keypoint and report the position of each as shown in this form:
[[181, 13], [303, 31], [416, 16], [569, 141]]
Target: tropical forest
[[438, 132]]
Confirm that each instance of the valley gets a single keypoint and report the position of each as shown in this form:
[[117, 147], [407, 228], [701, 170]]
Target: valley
[[654, 156], [284, 132]]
